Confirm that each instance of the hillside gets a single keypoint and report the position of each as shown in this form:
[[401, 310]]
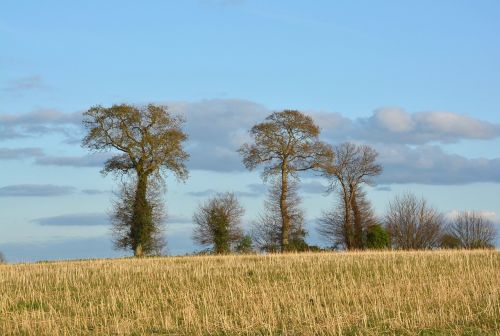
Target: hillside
[[445, 292]]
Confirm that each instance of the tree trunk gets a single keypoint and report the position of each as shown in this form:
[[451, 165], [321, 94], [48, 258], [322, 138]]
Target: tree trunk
[[348, 239], [141, 216], [358, 227], [285, 219]]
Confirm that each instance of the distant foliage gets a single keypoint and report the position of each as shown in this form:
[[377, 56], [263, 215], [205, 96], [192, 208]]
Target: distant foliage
[[2, 258]]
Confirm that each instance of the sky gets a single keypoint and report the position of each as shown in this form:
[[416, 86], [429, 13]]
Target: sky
[[418, 81]]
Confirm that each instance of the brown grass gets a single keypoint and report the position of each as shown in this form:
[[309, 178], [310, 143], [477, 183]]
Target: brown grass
[[372, 293]]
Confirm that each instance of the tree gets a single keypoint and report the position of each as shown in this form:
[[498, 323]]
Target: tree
[[351, 167], [448, 241], [218, 223], [472, 231], [413, 224], [245, 245], [2, 258], [377, 237], [286, 143], [123, 214], [149, 139], [335, 225], [267, 231]]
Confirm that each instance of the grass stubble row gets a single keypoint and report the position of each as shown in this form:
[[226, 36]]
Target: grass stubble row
[[359, 293]]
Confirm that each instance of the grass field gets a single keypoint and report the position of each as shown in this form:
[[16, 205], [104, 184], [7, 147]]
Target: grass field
[[372, 293]]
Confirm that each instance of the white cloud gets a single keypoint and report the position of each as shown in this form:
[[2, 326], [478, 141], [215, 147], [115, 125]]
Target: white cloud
[[395, 125], [393, 120], [431, 165]]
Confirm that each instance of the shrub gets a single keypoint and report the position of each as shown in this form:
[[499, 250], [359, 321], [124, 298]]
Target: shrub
[[245, 245], [377, 237]]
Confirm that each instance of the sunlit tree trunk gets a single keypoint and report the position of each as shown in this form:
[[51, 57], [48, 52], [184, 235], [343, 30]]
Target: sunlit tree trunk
[[285, 218], [357, 220]]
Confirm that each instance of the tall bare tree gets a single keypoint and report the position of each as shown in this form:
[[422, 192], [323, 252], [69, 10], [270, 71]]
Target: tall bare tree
[[149, 142], [218, 223], [267, 231], [286, 143], [413, 224], [471, 230], [352, 166]]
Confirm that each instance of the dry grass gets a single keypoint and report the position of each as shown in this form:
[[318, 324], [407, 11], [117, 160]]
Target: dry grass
[[431, 293]]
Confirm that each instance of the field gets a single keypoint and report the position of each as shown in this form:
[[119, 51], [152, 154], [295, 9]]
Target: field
[[372, 293]]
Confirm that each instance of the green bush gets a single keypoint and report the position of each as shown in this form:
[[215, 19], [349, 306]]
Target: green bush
[[377, 237], [245, 245]]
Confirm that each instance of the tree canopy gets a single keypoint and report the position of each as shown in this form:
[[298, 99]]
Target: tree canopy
[[149, 137]]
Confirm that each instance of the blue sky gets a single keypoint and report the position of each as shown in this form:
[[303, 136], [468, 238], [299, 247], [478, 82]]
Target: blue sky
[[419, 81]]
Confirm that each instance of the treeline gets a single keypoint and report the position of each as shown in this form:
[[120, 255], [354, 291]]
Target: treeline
[[284, 146]]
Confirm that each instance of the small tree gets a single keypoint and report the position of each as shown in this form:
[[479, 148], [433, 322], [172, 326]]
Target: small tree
[[245, 245], [377, 237], [472, 231], [267, 231], [286, 143], [218, 223], [2, 258], [413, 224]]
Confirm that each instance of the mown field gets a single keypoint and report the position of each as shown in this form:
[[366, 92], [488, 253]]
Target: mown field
[[372, 293]]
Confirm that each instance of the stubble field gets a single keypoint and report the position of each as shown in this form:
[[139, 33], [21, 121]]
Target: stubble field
[[365, 293]]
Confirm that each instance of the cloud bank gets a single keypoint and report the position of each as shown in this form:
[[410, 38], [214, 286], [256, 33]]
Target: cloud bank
[[35, 190], [86, 219], [409, 143]]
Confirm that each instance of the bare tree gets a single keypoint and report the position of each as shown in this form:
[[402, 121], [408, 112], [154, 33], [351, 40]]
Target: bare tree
[[286, 143], [218, 223], [334, 227], [352, 166], [413, 224], [150, 140], [472, 231], [267, 231], [122, 216]]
